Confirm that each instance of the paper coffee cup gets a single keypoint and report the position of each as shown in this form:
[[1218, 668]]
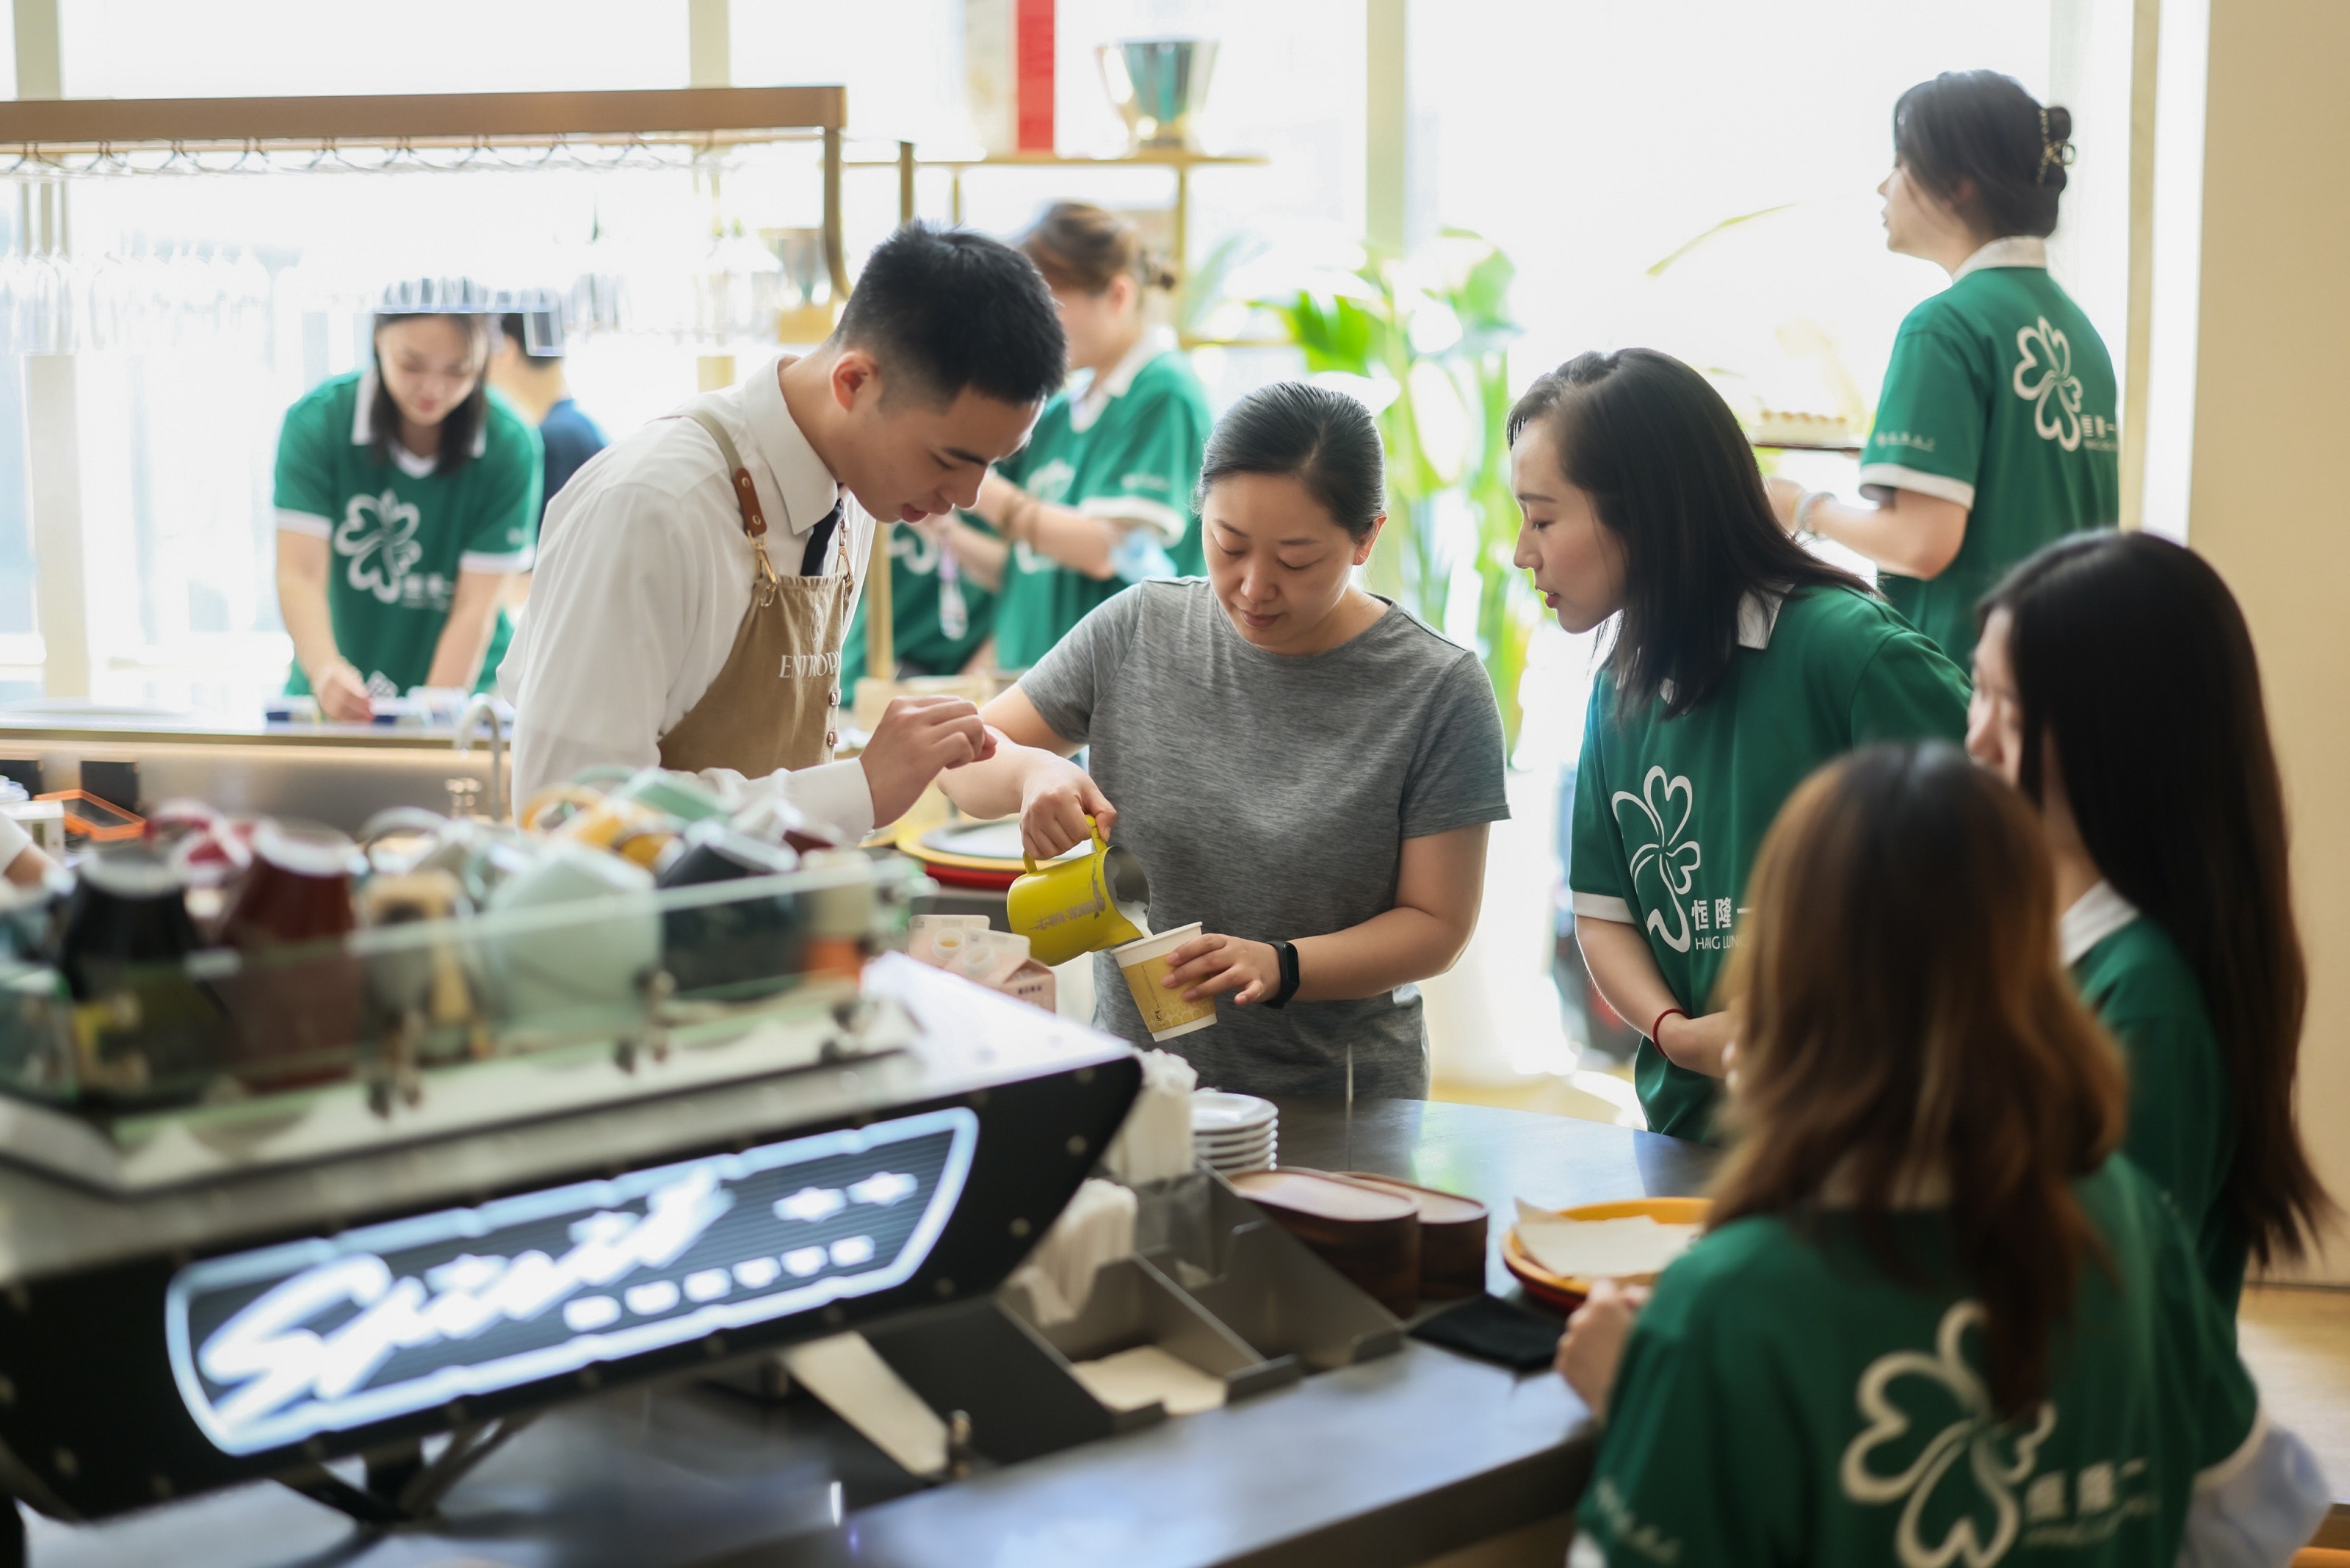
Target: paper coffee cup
[[1144, 965]]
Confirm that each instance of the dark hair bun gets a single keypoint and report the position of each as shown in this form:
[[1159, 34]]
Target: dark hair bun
[[1978, 141], [1078, 246]]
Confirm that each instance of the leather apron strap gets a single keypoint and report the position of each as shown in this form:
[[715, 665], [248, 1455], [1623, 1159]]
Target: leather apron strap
[[776, 702]]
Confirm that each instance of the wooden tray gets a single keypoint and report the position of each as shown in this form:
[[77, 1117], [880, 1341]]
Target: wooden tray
[[1567, 1291], [1453, 1231], [1369, 1234]]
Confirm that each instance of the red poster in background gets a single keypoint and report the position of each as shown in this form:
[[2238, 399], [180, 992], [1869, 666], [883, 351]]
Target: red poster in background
[[1033, 63]]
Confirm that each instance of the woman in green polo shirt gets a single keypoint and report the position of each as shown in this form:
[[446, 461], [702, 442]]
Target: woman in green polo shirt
[[1100, 496], [2116, 684], [1932, 1319], [407, 497], [1740, 662], [1996, 430], [940, 615]]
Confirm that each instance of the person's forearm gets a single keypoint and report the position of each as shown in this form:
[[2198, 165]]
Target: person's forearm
[[997, 786], [465, 636], [1917, 541], [1074, 539], [1393, 947], [982, 555], [1626, 972], [1623, 970], [302, 603]]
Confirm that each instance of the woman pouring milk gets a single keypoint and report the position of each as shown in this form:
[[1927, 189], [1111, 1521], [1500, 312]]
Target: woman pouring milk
[[1301, 767]]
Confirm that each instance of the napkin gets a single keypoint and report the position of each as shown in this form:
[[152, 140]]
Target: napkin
[[1600, 1249], [1147, 1374]]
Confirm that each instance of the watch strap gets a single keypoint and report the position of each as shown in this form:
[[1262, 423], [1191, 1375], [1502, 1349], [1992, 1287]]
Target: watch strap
[[1287, 953]]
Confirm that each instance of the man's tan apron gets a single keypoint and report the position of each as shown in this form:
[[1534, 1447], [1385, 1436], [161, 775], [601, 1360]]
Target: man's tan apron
[[776, 704]]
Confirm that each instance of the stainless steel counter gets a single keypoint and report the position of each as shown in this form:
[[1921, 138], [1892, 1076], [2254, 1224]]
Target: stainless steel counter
[[339, 775], [1390, 1462]]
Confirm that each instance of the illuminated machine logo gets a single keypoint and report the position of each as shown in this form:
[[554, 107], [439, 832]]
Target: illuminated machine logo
[[323, 1335]]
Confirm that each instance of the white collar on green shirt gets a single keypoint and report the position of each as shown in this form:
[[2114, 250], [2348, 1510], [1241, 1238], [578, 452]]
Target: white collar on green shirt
[[1758, 616], [2095, 916], [363, 432], [1088, 405], [2016, 249]]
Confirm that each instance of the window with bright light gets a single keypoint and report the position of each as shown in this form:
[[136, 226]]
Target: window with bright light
[[1696, 177]]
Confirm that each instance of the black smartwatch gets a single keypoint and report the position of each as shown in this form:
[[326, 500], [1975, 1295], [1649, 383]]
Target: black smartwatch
[[1287, 953]]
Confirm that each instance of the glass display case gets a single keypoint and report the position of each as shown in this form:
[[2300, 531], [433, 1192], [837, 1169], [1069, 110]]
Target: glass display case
[[129, 1071]]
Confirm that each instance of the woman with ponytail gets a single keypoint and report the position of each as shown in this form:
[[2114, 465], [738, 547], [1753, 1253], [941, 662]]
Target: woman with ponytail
[[1932, 1319], [1996, 429]]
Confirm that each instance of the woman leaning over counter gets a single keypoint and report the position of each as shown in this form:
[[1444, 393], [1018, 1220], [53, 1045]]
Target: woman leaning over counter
[[407, 497], [2116, 684], [1932, 1319], [1298, 764], [1739, 663], [1100, 495], [1996, 430]]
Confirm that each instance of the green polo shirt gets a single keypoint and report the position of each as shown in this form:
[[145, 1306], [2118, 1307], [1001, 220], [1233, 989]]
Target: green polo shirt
[[1781, 1400], [1668, 812], [921, 639], [2182, 1116], [2000, 397], [1134, 458], [399, 532]]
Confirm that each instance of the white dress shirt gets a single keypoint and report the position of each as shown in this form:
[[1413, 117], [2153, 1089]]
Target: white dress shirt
[[643, 581]]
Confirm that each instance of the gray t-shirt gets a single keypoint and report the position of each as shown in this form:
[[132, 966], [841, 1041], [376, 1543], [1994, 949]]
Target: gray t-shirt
[[1268, 796]]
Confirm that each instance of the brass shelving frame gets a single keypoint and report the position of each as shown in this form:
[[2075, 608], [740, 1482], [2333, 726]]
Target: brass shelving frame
[[65, 137]]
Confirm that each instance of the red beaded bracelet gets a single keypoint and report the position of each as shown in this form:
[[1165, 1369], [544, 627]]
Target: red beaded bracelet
[[1659, 1023]]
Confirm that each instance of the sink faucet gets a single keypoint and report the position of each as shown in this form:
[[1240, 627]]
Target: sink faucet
[[485, 707]]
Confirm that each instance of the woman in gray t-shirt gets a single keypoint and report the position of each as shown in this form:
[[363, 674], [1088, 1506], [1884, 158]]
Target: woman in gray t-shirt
[[1297, 765]]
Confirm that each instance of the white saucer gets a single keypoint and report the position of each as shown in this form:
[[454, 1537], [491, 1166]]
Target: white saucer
[[1214, 1111]]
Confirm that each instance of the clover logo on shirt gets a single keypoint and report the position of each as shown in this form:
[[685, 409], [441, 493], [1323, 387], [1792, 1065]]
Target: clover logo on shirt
[[1934, 1446], [378, 532], [2043, 378], [1659, 851]]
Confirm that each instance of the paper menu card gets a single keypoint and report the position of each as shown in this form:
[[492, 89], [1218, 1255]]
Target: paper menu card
[[1634, 1248]]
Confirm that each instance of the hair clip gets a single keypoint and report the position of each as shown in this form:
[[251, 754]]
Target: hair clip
[[2060, 154]]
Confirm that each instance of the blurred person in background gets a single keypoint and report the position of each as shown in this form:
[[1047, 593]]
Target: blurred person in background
[[1100, 497], [941, 615], [408, 499], [526, 365], [1998, 428]]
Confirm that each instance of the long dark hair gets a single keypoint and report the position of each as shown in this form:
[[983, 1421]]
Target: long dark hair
[[2132, 660], [1906, 1037], [1981, 142], [1671, 476], [1323, 439], [463, 422]]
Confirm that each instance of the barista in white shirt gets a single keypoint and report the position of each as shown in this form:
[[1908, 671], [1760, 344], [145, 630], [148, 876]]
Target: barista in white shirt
[[694, 582]]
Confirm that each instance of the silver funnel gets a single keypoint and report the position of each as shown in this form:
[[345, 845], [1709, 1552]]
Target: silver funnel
[[1155, 84]]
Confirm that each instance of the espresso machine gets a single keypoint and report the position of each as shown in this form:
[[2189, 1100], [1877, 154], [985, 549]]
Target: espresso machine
[[219, 1265]]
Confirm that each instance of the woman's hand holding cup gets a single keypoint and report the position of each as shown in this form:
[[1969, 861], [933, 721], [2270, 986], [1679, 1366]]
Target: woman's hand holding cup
[[1055, 802], [1210, 965]]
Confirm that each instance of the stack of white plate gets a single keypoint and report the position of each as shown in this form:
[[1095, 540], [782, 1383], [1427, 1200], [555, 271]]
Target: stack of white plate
[[1233, 1132]]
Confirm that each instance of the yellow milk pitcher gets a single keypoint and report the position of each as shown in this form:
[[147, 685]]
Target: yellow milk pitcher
[[1081, 905]]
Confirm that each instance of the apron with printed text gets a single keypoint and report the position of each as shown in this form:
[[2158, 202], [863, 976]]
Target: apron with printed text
[[776, 704]]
